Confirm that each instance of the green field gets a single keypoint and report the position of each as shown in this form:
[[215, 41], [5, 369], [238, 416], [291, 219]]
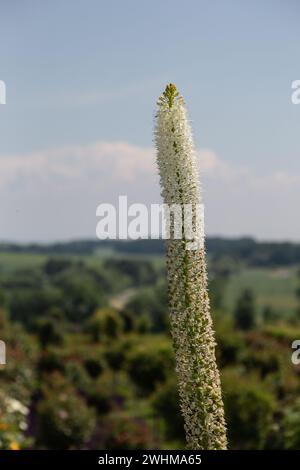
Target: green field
[[272, 287], [14, 261]]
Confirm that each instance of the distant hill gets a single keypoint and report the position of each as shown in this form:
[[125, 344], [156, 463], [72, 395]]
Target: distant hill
[[248, 250]]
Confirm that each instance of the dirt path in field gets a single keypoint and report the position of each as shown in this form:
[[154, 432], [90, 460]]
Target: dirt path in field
[[120, 300]]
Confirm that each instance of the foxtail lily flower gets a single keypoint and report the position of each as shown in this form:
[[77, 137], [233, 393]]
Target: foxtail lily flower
[[191, 324]]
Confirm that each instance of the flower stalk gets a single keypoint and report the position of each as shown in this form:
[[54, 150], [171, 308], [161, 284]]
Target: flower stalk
[[191, 325]]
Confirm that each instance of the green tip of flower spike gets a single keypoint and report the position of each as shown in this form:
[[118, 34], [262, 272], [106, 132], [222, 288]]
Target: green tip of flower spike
[[169, 95]]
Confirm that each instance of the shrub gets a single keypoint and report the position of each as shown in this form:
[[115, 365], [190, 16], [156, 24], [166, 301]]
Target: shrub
[[140, 271], [150, 364], [245, 311], [292, 427], [115, 356], [93, 366], [249, 412], [110, 391], [166, 404], [63, 419], [29, 304], [128, 433], [78, 376], [50, 361], [48, 332], [151, 304], [105, 323]]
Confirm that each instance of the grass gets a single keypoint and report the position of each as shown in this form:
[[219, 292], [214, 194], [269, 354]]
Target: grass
[[13, 261], [10, 262], [271, 287]]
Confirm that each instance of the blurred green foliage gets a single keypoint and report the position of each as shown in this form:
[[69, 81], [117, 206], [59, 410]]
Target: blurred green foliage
[[90, 362]]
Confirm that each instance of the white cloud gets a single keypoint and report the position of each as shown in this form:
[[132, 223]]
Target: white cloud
[[210, 164], [54, 193], [120, 160]]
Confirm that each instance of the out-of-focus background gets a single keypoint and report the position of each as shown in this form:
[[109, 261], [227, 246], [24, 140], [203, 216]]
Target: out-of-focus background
[[89, 357]]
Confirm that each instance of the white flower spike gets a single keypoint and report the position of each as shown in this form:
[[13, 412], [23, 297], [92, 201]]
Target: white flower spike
[[191, 325]]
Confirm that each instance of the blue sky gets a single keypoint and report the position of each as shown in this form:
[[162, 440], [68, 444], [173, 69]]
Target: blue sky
[[82, 81]]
